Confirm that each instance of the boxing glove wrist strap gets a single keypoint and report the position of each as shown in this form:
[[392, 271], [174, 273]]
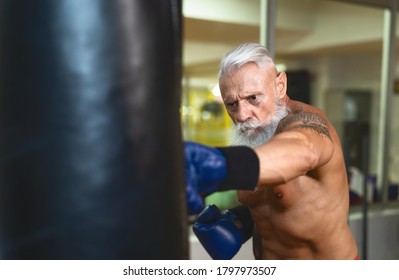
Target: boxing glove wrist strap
[[243, 215], [242, 168]]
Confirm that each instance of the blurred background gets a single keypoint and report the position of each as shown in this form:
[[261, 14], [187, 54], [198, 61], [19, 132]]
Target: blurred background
[[341, 56]]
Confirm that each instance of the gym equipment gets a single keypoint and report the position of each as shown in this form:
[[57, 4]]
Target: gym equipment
[[91, 153]]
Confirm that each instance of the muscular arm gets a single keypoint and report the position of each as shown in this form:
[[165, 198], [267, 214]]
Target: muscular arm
[[301, 144]]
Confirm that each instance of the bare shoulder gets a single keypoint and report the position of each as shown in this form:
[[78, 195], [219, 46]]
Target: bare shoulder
[[303, 116]]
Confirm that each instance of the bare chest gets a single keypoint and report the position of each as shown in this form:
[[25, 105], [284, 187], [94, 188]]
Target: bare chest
[[277, 197], [286, 214]]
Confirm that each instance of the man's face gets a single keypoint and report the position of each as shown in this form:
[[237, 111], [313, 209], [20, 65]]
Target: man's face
[[254, 103]]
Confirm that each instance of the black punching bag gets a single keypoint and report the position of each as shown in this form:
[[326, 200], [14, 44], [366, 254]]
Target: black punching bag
[[90, 141]]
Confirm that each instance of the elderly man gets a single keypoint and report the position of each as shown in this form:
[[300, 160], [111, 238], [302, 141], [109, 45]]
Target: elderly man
[[287, 166]]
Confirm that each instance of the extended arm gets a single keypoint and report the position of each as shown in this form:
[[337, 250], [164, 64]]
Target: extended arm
[[301, 144]]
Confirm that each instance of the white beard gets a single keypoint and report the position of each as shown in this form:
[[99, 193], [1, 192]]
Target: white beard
[[255, 133]]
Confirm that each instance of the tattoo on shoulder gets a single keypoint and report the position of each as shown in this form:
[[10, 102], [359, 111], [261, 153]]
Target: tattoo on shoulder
[[305, 120]]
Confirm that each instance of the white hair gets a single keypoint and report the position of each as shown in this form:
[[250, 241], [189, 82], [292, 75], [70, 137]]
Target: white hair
[[243, 54]]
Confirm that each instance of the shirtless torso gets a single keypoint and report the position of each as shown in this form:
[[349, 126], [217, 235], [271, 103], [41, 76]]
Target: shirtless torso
[[305, 217]]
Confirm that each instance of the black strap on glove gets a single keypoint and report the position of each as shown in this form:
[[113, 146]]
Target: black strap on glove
[[242, 168]]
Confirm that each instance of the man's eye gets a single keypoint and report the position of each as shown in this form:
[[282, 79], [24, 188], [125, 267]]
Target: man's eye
[[253, 99], [231, 104]]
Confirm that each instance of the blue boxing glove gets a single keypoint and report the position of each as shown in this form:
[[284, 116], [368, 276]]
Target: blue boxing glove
[[205, 170], [210, 170], [223, 233]]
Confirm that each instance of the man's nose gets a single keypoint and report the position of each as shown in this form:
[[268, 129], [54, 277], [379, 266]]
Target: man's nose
[[244, 113]]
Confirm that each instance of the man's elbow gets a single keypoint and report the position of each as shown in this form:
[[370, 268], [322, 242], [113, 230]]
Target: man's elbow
[[318, 157], [310, 157]]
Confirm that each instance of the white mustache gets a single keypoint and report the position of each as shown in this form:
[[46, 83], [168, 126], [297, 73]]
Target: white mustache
[[250, 128], [249, 125]]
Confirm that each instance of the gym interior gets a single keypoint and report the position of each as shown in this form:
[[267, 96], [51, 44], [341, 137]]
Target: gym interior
[[97, 96], [341, 56]]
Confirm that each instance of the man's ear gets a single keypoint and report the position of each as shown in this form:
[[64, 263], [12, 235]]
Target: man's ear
[[281, 82]]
